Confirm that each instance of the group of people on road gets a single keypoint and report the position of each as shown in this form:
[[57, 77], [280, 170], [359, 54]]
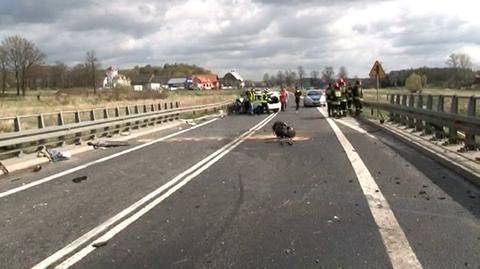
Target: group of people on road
[[284, 98], [252, 97], [342, 96]]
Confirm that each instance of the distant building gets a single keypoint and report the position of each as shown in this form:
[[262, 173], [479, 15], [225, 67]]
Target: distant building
[[149, 82], [233, 79], [113, 79], [205, 82]]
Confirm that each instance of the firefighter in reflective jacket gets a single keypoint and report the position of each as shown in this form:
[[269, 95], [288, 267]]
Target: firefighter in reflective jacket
[[357, 97], [265, 101]]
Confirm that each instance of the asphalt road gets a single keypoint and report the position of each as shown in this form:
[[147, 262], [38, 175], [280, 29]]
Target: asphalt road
[[223, 195]]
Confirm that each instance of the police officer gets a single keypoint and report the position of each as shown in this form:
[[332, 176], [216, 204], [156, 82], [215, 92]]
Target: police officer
[[250, 99], [357, 96], [298, 94], [330, 96], [349, 98], [265, 101]]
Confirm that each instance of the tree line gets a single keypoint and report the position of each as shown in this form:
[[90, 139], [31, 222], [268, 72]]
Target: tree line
[[301, 78]]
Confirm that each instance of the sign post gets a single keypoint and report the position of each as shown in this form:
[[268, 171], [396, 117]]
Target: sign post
[[377, 72]]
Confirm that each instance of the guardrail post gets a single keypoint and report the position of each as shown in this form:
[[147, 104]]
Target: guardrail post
[[439, 132], [470, 143], [127, 111], [419, 122], [397, 102], [177, 104], [403, 117], [411, 119], [78, 119], [159, 106], [171, 105], [166, 106], [92, 115], [145, 110], [117, 112], [392, 102], [452, 131], [136, 109], [17, 124], [60, 120], [428, 125], [152, 107], [41, 121], [105, 113]]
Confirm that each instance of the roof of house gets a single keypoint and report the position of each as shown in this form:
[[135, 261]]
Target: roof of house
[[142, 79], [177, 80], [236, 75], [206, 78]]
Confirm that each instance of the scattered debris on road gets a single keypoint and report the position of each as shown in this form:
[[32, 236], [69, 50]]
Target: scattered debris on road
[[284, 133], [37, 168], [102, 144], [40, 205], [99, 244], [3, 169], [336, 218], [124, 133], [79, 179]]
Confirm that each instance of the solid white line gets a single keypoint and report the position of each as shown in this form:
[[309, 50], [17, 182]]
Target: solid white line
[[396, 243], [83, 166], [125, 223], [105, 225], [356, 128]]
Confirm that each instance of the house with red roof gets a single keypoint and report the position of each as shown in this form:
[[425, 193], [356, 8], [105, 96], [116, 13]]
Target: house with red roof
[[205, 82]]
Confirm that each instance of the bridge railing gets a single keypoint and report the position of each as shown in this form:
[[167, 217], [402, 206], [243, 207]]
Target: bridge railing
[[443, 116], [32, 132]]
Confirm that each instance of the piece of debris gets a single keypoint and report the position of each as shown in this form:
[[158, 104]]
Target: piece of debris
[[37, 168], [107, 144], [337, 219], [124, 133], [79, 179], [3, 169], [442, 198], [197, 206], [398, 182], [422, 192], [15, 179], [55, 155], [284, 133], [424, 186], [472, 197], [99, 244], [317, 261]]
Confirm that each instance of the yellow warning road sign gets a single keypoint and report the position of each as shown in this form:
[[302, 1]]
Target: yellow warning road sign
[[377, 70]]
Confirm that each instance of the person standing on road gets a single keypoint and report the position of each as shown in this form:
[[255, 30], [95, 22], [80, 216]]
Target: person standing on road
[[298, 94], [357, 97], [250, 99], [329, 94], [283, 98], [264, 101]]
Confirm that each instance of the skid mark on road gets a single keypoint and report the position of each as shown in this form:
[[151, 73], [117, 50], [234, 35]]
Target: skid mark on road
[[126, 217], [398, 248]]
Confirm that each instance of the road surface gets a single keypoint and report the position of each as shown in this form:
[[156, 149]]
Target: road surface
[[224, 194]]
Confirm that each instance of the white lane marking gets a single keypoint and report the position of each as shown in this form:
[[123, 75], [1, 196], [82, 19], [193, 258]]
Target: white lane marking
[[105, 225], [396, 243], [356, 128], [125, 223], [83, 166]]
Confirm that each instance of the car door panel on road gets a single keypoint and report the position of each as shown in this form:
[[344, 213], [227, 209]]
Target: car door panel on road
[[38, 221], [433, 205], [262, 206]]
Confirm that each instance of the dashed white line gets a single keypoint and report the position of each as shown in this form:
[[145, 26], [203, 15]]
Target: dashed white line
[[397, 246]]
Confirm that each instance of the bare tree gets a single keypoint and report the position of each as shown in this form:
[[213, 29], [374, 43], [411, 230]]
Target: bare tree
[[462, 63], [314, 76], [266, 79], [301, 75], [92, 64], [342, 73], [453, 61], [21, 56], [328, 74], [3, 68], [290, 77], [280, 78]]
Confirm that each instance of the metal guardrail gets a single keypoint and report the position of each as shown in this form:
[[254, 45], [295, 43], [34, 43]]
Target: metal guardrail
[[86, 124], [431, 115]]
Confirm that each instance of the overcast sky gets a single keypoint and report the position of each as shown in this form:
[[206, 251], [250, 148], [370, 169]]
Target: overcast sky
[[250, 36]]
